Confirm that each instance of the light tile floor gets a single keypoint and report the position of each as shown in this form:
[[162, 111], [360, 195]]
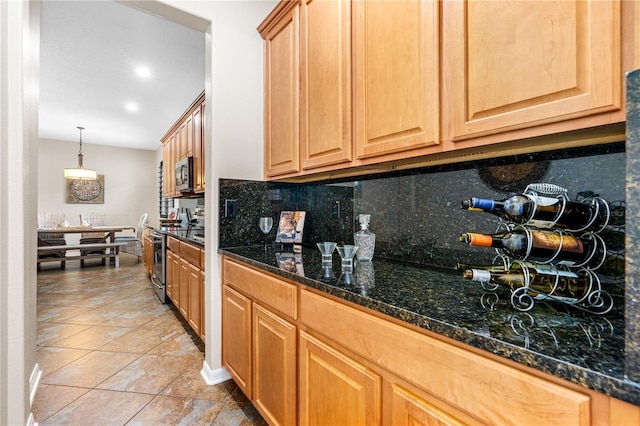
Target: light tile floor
[[112, 354]]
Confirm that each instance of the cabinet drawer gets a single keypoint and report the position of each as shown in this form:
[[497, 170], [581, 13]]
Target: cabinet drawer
[[190, 253], [173, 244], [489, 390], [271, 291], [202, 259]]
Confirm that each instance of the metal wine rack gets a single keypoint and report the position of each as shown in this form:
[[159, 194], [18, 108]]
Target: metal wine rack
[[596, 300]]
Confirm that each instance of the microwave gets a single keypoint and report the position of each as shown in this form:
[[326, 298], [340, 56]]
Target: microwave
[[184, 175]]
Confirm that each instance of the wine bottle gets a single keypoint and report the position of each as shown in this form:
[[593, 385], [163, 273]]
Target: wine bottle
[[542, 281], [543, 246], [545, 212]]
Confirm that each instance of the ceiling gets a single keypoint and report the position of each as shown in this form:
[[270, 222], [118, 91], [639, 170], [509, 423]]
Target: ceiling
[[89, 53]]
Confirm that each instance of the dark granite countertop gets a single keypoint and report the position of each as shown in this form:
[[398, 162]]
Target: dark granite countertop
[[588, 350], [185, 234]]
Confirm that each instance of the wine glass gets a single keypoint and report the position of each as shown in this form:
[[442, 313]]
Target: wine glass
[[265, 223]]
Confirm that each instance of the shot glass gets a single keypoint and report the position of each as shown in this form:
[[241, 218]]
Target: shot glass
[[346, 253], [326, 249]]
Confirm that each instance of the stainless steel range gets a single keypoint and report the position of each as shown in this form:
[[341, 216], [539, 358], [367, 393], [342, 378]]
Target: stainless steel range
[[158, 278]]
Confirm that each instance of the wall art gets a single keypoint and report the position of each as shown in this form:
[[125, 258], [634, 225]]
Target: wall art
[[83, 191]]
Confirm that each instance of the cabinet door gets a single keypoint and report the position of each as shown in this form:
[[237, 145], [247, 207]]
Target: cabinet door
[[195, 298], [175, 277], [325, 96], [182, 141], [183, 299], [174, 141], [334, 389], [236, 338], [188, 136], [168, 166], [169, 275], [202, 307], [281, 128], [274, 367], [521, 64], [396, 77], [166, 160], [404, 407], [149, 255], [198, 150]]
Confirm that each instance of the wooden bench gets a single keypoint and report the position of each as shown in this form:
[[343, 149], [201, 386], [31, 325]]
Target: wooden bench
[[111, 251]]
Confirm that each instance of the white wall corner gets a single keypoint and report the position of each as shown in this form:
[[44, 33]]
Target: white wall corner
[[213, 377]]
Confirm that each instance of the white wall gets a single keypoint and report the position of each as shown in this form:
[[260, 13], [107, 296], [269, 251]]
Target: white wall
[[19, 373], [130, 180], [233, 124]]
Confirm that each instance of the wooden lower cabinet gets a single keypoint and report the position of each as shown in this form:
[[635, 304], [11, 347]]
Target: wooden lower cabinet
[[259, 351], [356, 367], [259, 340], [274, 372], [236, 338], [202, 306], [147, 246], [175, 278], [407, 406], [194, 316], [183, 299], [185, 283], [335, 389], [169, 287]]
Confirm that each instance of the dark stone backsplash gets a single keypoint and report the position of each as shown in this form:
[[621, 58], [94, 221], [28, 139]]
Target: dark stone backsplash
[[416, 215]]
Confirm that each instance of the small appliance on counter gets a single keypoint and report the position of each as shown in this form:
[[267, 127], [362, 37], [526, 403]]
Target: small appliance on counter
[[198, 215]]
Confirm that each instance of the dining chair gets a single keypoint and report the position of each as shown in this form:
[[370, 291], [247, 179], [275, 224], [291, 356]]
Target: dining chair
[[134, 244], [92, 219], [52, 220]]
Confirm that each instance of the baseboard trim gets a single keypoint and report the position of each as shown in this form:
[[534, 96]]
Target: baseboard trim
[[213, 377], [34, 382], [31, 421]]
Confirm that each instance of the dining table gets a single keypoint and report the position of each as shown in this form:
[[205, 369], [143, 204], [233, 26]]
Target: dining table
[[108, 230]]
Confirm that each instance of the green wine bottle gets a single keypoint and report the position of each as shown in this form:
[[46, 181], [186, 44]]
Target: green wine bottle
[[543, 246], [545, 212], [542, 281]]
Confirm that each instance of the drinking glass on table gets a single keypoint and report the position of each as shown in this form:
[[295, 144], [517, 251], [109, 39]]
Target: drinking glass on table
[[265, 223]]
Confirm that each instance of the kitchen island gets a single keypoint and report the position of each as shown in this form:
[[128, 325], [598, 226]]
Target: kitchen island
[[587, 350]]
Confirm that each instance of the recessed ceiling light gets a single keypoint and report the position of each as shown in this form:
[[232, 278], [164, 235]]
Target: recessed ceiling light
[[131, 106], [143, 72]]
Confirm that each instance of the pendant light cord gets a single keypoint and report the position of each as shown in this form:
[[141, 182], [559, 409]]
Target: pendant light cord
[[80, 152]]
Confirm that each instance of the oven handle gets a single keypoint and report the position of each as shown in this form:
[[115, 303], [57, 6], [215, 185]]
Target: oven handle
[[156, 282]]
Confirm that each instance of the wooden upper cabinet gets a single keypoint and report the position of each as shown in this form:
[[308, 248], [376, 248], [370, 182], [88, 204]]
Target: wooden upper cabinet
[[325, 91], [185, 139], [198, 149], [166, 176], [281, 85], [520, 64], [396, 77]]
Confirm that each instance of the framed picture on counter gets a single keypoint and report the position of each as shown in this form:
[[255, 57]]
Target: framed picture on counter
[[290, 227], [173, 213]]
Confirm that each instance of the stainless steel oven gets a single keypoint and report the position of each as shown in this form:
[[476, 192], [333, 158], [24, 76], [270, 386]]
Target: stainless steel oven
[[158, 278]]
